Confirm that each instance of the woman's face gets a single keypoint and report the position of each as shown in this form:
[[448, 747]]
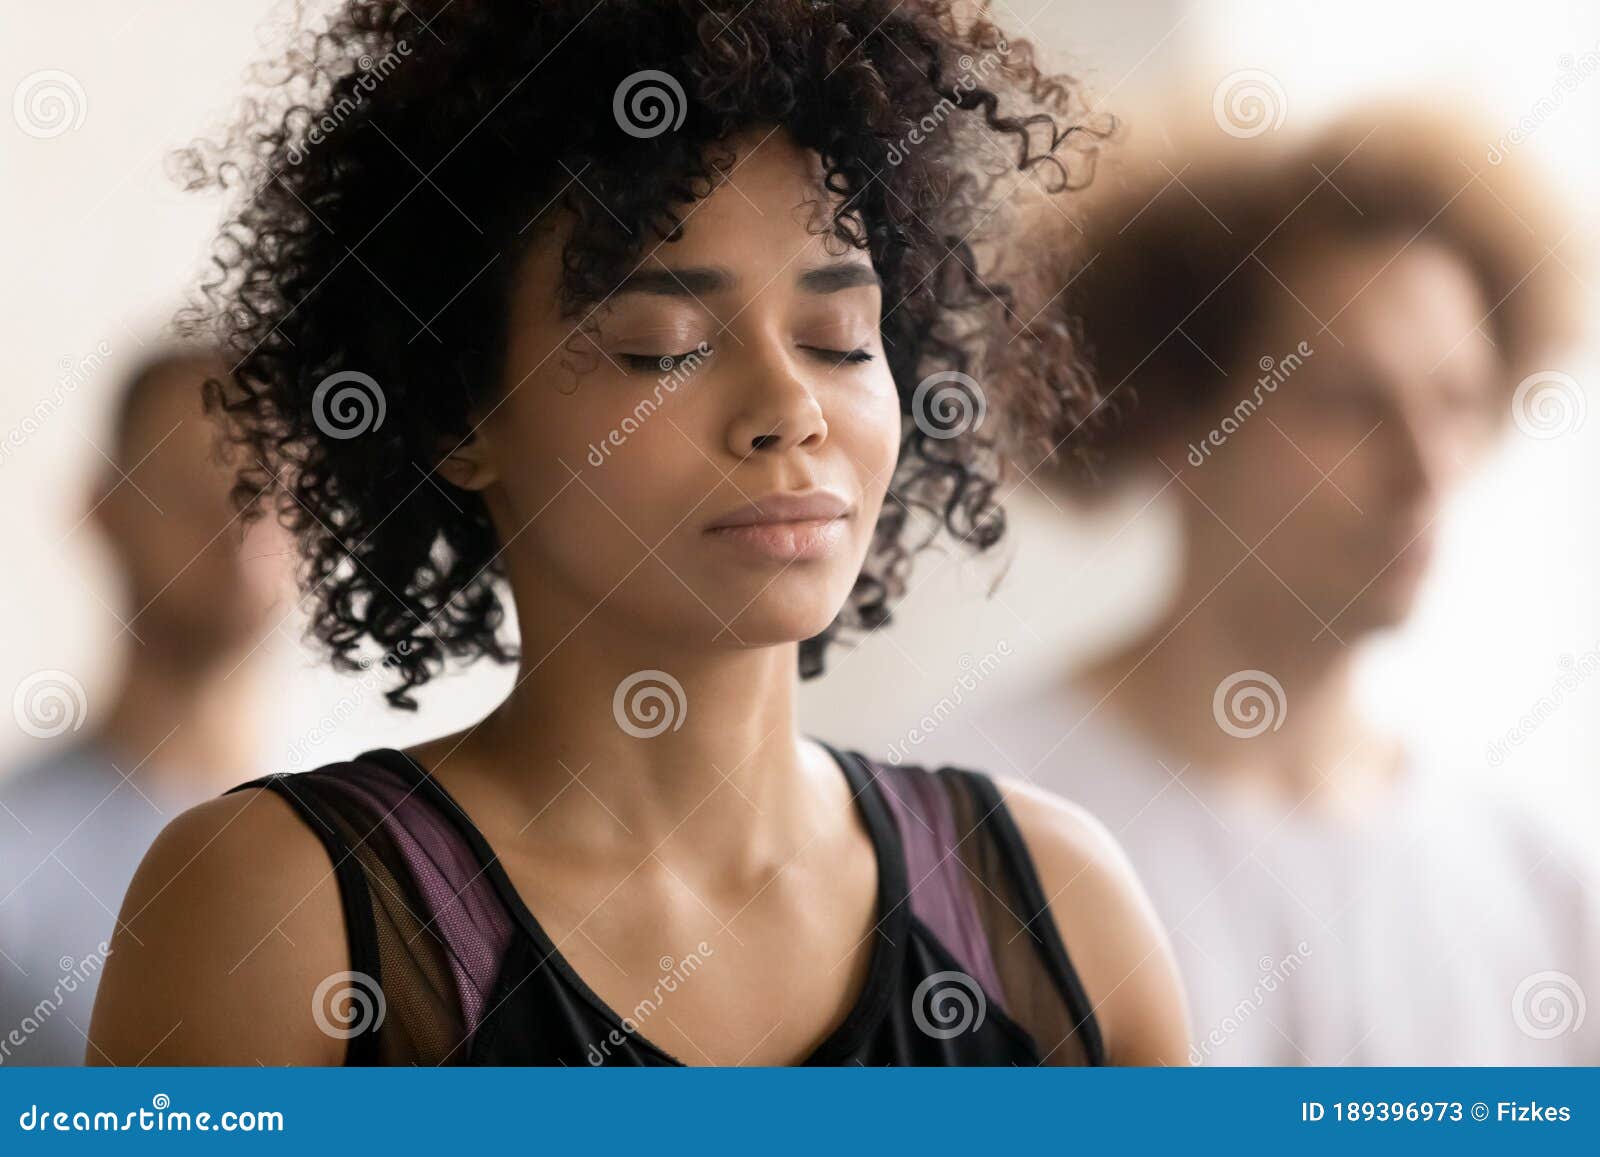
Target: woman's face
[[704, 460]]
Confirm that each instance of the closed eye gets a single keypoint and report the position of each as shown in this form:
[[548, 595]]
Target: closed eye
[[658, 363], [846, 357]]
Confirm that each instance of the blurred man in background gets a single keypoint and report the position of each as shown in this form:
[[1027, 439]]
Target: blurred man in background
[[1309, 347], [176, 727]]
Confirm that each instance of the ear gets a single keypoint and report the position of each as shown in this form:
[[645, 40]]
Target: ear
[[468, 463], [99, 496]]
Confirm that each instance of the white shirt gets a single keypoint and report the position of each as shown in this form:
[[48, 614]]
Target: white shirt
[[72, 832], [1450, 929]]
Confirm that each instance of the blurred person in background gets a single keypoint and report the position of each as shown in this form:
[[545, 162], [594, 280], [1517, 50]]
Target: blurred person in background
[[179, 722], [1308, 345]]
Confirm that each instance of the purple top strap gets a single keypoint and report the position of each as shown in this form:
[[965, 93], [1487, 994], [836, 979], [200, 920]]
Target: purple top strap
[[940, 882], [461, 910]]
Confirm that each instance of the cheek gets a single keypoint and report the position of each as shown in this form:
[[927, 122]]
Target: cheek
[[866, 424]]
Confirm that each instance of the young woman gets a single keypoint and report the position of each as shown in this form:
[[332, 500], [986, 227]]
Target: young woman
[[645, 315]]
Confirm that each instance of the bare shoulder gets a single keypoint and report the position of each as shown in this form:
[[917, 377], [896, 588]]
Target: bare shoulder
[[1111, 932], [229, 925]]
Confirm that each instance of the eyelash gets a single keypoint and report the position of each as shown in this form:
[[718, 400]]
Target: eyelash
[[649, 363]]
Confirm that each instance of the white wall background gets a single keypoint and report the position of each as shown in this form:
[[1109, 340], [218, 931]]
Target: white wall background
[[98, 245]]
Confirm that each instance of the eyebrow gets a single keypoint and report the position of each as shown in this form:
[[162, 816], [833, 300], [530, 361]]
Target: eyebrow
[[697, 281], [842, 275]]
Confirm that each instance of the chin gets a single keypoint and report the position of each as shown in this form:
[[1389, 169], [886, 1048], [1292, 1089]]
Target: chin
[[772, 622], [1383, 607]]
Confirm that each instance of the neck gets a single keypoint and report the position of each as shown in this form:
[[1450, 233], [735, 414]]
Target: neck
[[1308, 746], [616, 738], [184, 723]]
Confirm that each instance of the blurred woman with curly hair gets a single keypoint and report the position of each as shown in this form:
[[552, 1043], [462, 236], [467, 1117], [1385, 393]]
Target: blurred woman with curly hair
[[660, 325]]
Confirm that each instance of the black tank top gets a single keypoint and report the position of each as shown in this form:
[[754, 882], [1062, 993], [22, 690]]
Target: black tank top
[[448, 965]]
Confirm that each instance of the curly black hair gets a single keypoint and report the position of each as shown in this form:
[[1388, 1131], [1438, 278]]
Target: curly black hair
[[386, 172]]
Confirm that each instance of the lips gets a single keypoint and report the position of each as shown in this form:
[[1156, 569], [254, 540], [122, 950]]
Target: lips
[[786, 527], [791, 506]]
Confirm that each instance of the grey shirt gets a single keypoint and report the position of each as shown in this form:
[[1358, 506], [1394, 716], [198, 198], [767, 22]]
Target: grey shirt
[[72, 832]]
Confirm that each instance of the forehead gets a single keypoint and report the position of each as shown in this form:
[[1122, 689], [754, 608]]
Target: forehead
[[769, 210], [1411, 309]]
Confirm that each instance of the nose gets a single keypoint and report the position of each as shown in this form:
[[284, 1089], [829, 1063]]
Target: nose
[[1418, 462], [779, 412]]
